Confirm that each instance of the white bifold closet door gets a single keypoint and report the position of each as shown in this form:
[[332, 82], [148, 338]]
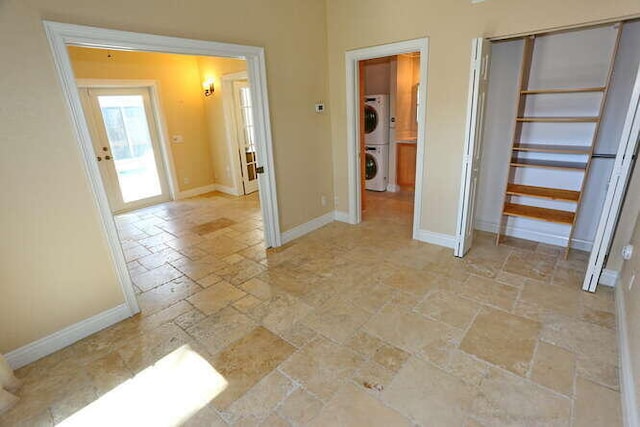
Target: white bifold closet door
[[478, 85], [615, 193]]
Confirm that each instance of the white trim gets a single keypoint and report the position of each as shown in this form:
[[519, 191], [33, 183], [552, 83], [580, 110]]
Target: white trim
[[351, 59], [609, 278], [67, 336], [307, 227], [627, 385], [196, 191], [342, 216], [227, 190], [440, 239], [536, 236]]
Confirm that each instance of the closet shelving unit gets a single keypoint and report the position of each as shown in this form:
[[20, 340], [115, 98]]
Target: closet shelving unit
[[560, 154]]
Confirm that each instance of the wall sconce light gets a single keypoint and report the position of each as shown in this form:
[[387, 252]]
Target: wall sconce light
[[208, 87]]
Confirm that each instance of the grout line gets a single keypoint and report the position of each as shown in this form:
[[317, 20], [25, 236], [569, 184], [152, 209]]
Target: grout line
[[533, 359]]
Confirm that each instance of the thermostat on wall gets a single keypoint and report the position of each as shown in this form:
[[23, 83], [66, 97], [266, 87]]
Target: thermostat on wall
[[319, 108]]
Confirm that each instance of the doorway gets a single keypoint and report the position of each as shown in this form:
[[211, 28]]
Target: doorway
[[365, 158], [388, 136], [126, 140], [61, 36]]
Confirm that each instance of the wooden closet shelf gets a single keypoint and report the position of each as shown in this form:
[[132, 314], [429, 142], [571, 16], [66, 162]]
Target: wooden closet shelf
[[544, 214], [543, 192], [548, 148], [558, 91], [558, 119], [547, 164]]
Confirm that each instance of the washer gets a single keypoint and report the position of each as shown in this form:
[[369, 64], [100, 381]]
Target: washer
[[376, 119], [376, 167]]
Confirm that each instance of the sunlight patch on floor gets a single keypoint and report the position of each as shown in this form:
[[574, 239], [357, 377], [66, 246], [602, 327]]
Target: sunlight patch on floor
[[165, 394]]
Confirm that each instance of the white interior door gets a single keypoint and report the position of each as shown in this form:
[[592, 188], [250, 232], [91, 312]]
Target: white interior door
[[245, 135], [615, 193], [125, 138], [478, 84]]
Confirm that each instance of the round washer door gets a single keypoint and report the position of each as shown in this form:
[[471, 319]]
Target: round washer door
[[370, 167], [370, 119]]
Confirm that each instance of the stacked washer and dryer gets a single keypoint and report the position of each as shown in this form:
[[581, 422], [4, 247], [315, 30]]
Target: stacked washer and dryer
[[376, 141]]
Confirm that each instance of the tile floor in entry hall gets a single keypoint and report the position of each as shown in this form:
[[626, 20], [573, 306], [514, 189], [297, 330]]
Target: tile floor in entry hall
[[347, 326]]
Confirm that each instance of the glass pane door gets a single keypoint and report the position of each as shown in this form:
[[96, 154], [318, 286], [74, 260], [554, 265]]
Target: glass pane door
[[130, 144], [246, 136]]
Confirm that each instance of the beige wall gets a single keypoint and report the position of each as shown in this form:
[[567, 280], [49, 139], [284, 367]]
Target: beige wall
[[54, 262], [630, 269], [216, 68], [450, 26], [181, 100]]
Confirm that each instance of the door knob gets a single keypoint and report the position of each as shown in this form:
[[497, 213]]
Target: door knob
[[105, 148], [260, 169], [99, 158]]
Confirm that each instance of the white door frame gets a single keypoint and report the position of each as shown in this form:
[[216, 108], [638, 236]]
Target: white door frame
[[63, 35], [620, 177], [352, 58], [158, 114], [230, 126]]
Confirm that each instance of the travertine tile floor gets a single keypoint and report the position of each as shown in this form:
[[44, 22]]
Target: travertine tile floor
[[347, 326]]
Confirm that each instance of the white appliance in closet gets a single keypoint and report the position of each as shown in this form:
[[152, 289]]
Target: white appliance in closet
[[376, 140]]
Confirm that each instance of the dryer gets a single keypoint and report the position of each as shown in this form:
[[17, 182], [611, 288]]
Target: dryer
[[376, 167], [376, 119]]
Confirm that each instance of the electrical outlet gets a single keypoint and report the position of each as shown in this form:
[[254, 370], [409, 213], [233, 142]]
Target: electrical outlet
[[323, 200], [186, 180]]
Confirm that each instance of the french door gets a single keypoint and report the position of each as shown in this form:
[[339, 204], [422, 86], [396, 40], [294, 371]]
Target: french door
[[126, 142], [245, 135]]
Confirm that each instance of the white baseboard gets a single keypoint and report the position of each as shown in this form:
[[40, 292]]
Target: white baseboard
[[536, 236], [434, 238], [65, 337], [627, 384], [307, 227], [227, 190], [609, 278], [341, 216], [196, 191]]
